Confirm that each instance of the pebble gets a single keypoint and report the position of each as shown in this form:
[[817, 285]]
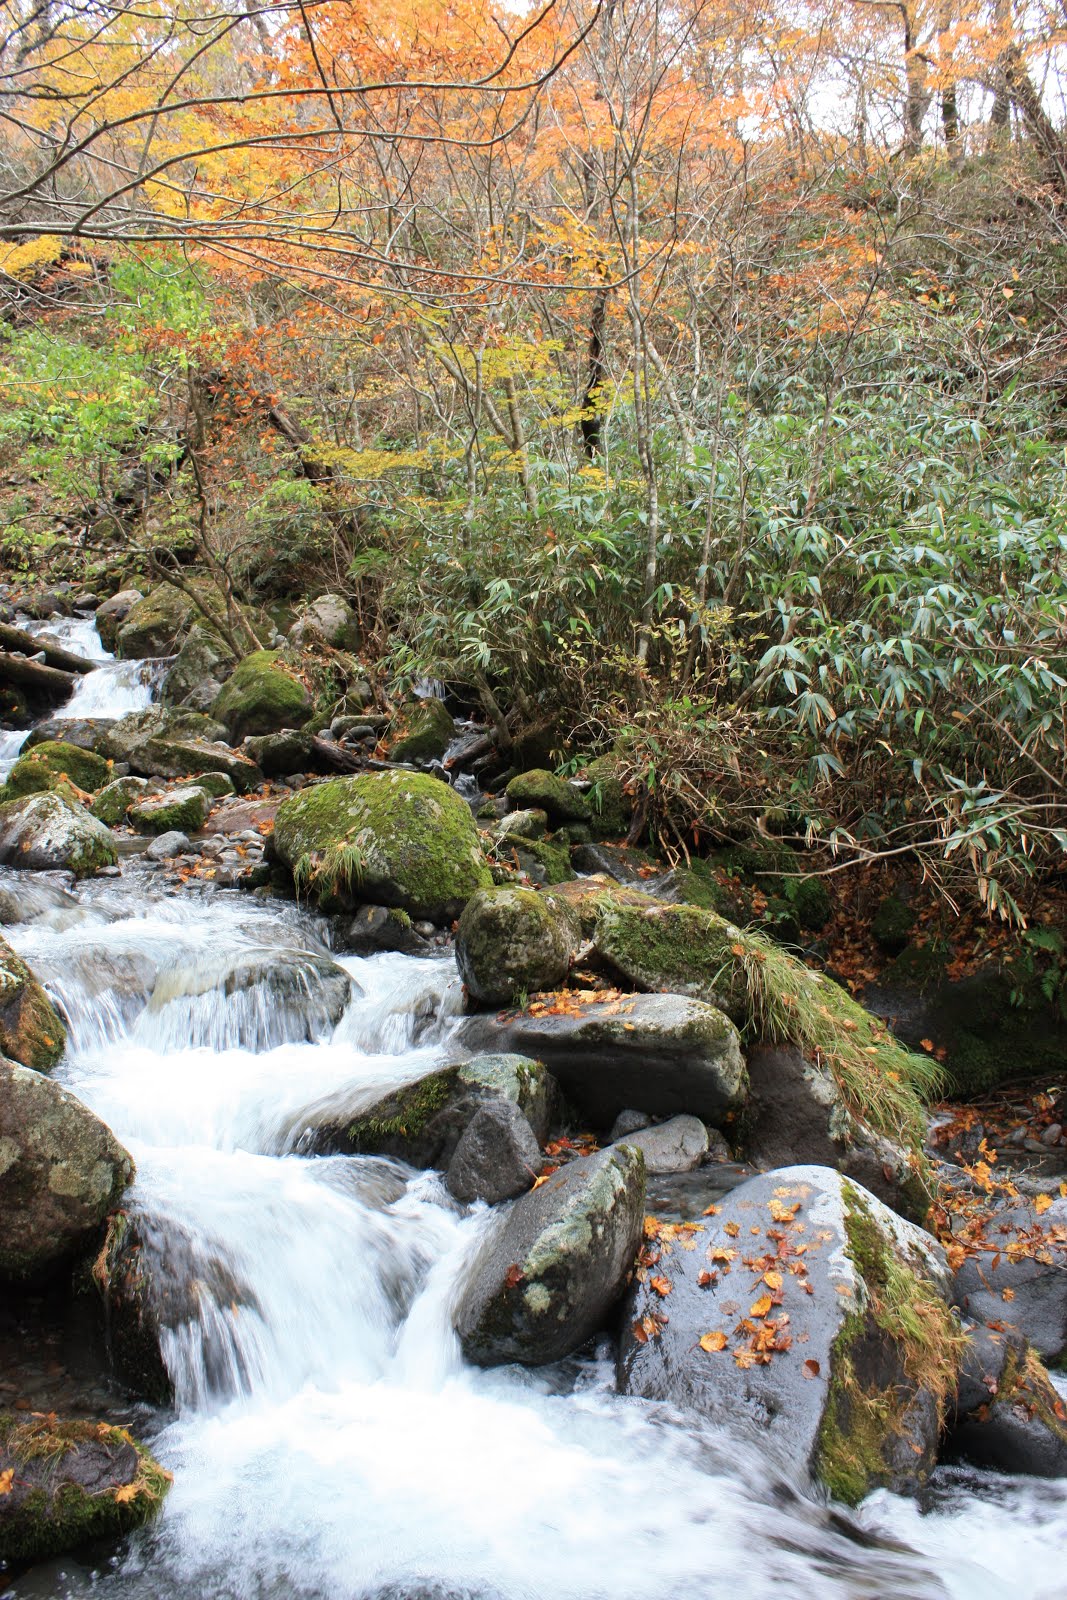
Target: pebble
[[1052, 1134]]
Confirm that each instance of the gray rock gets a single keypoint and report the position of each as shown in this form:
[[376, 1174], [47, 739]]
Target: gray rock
[[167, 846], [327, 620], [497, 1156], [111, 803], [275, 997], [549, 1274], [530, 824], [175, 757], [1008, 1260], [61, 1172], [513, 942], [803, 1288], [629, 1122], [678, 1145], [27, 899], [376, 928], [1007, 1414], [42, 832], [88, 733], [155, 626], [279, 753], [200, 669], [663, 1052], [113, 613], [176, 810]]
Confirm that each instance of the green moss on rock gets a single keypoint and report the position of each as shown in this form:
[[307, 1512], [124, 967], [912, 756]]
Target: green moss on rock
[[31, 1032], [47, 764], [390, 838], [419, 733], [513, 941], [42, 832], [893, 924], [113, 801], [545, 791], [261, 696], [610, 810], [180, 811]]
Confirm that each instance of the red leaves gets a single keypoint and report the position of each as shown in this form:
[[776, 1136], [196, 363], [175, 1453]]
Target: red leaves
[[811, 1368]]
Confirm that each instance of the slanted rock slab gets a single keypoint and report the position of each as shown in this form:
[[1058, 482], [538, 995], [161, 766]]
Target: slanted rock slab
[[678, 1145], [497, 1156], [550, 1273], [41, 832], [31, 1032]]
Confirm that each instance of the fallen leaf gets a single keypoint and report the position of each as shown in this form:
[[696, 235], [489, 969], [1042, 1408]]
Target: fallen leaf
[[713, 1341], [7, 1477], [811, 1368], [1042, 1204], [1007, 1294], [773, 1280], [513, 1276], [761, 1307], [706, 1279], [662, 1285], [128, 1492], [732, 1228]]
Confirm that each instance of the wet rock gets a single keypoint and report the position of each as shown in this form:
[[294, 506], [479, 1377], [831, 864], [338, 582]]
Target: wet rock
[[167, 846], [391, 838], [807, 1316], [31, 1032], [545, 792], [113, 613], [279, 753], [513, 942], [175, 757], [796, 1113], [132, 1298], [665, 1053], [219, 785], [71, 1481], [42, 832], [422, 1122], [27, 899], [528, 824], [419, 733], [1018, 1274], [497, 1156], [377, 928], [327, 620], [50, 764], [261, 696], [113, 801], [179, 810], [61, 1172], [677, 1145], [629, 1122], [541, 861], [1007, 1415], [201, 667], [549, 1275], [152, 627], [277, 997], [88, 733]]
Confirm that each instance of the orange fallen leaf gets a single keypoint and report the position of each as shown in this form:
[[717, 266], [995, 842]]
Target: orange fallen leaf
[[811, 1368], [732, 1228], [761, 1306], [706, 1279], [7, 1479], [713, 1341], [513, 1276], [128, 1492], [662, 1285], [773, 1280], [1042, 1204], [1007, 1294]]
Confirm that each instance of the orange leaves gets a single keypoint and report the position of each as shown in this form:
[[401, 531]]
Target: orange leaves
[[732, 1229], [1042, 1204], [811, 1368], [662, 1285], [713, 1342], [720, 1252], [514, 1276], [782, 1213], [761, 1307], [127, 1492], [648, 1327], [7, 1480]]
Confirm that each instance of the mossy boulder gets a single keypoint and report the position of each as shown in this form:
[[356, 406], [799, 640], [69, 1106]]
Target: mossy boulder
[[178, 811], [201, 667], [261, 696], [126, 736], [327, 620], [610, 808], [177, 758], [806, 1317], [278, 754], [514, 941], [547, 1279], [61, 1172], [659, 1053], [679, 949], [529, 824], [43, 832], [390, 838], [419, 733], [216, 784], [539, 861], [31, 1032], [112, 802], [113, 613], [422, 1122], [48, 765], [154, 626], [547, 792], [130, 1299], [71, 1482], [1008, 1415]]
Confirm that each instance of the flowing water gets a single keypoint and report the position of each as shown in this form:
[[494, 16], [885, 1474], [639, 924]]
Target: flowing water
[[328, 1441]]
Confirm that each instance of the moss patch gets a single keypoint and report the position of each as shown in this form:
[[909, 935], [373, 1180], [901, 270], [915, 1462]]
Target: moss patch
[[419, 733], [544, 791], [31, 1032], [403, 1115], [115, 799], [48, 764], [261, 696]]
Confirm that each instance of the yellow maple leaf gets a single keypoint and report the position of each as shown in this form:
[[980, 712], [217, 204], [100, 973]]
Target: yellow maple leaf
[[713, 1341]]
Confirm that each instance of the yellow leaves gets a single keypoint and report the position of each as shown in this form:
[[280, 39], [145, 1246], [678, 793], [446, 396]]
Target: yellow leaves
[[662, 1286], [732, 1228], [761, 1307], [721, 1252], [7, 1480], [127, 1492], [712, 1342], [22, 260], [773, 1280], [1042, 1204], [782, 1213]]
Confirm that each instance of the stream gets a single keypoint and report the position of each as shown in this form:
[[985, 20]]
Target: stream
[[327, 1439]]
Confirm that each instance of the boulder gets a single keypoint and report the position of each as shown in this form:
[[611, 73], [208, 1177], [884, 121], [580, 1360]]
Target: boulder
[[796, 1112], [423, 1122], [807, 1316], [664, 1053], [1007, 1415], [528, 824], [540, 861], [167, 846], [550, 1273], [130, 1296], [1015, 1271], [390, 838], [261, 696], [513, 942], [677, 1145], [216, 784], [154, 626], [31, 1032], [676, 948], [201, 667], [610, 808], [29, 899], [113, 613], [327, 620], [377, 928], [278, 754], [173, 757], [61, 1172], [543, 790], [111, 803], [275, 997], [497, 1156], [183, 810], [41, 832], [70, 1482], [88, 733], [46, 765], [418, 734]]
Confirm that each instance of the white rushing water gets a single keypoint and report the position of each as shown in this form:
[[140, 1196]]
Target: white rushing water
[[329, 1441]]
